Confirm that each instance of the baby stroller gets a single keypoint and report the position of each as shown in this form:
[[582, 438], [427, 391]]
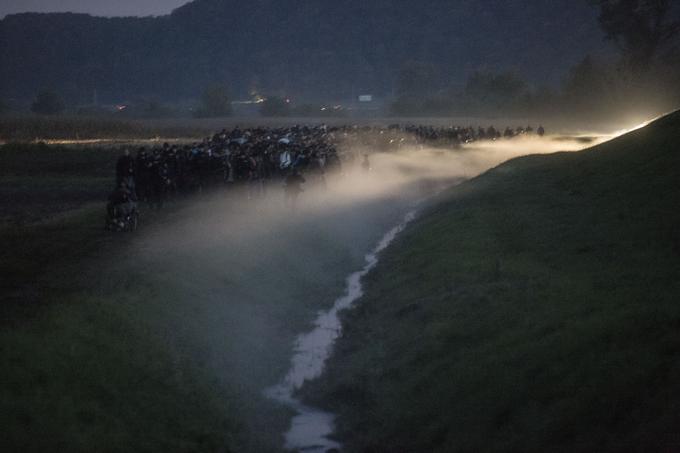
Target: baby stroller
[[121, 211], [122, 216]]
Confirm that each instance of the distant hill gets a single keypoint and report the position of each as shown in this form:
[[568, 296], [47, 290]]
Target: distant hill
[[304, 48]]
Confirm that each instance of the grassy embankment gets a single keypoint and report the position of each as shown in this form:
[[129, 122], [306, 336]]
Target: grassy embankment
[[162, 340], [536, 308]]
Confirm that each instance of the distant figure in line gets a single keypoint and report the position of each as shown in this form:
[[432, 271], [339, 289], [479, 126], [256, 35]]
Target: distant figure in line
[[540, 131], [365, 164], [121, 201], [125, 170], [293, 189]]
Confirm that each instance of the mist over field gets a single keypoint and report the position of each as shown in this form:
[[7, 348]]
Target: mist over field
[[369, 225], [256, 250], [406, 175]]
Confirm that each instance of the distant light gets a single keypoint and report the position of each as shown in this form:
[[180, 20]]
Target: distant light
[[634, 128], [120, 108]]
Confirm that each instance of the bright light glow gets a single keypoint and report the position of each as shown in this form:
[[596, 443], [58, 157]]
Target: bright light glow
[[634, 128], [621, 132]]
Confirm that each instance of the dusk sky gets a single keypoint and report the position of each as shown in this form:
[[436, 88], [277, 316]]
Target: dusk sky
[[95, 7]]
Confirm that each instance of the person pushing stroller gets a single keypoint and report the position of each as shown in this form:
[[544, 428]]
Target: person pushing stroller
[[122, 209]]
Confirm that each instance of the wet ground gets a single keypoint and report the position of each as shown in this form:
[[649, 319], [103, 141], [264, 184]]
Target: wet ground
[[311, 428]]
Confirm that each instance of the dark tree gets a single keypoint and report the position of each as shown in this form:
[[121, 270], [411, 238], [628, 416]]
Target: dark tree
[[153, 108], [275, 106], [588, 79], [215, 102], [641, 28], [495, 93], [592, 88], [417, 79], [48, 103], [404, 106]]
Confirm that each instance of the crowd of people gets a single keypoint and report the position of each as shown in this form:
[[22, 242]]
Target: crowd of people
[[460, 135], [411, 136], [254, 158]]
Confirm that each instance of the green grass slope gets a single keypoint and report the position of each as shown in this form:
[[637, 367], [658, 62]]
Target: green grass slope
[[535, 308]]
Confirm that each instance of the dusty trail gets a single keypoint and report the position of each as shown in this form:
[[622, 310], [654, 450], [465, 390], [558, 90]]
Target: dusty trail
[[258, 274]]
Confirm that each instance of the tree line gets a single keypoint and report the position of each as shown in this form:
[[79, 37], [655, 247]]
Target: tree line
[[641, 75]]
